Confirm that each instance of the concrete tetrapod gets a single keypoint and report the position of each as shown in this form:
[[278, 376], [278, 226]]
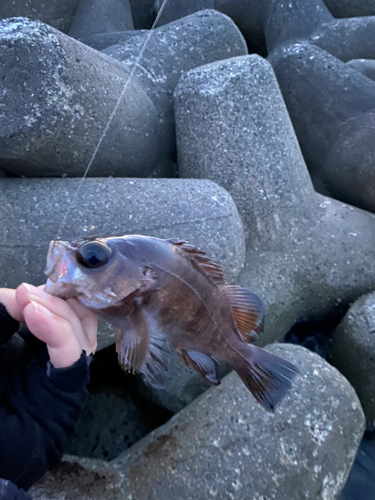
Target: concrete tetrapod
[[224, 445], [364, 66], [176, 9], [58, 96], [350, 8], [307, 255], [95, 16], [311, 21], [174, 48], [332, 107], [354, 352], [54, 12], [58, 101]]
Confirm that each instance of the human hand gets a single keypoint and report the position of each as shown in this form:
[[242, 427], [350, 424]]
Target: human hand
[[66, 327]]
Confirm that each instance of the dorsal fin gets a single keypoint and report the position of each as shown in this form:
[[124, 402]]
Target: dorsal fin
[[204, 264], [248, 310]]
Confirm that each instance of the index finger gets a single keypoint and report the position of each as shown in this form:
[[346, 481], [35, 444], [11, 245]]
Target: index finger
[[8, 299]]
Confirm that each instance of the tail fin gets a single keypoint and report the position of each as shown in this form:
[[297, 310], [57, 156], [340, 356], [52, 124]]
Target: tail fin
[[267, 376]]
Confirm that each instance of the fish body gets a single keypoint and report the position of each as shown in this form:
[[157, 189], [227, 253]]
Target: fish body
[[164, 293]]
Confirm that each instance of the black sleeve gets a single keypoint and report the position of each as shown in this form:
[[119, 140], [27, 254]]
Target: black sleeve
[[39, 405], [8, 325]]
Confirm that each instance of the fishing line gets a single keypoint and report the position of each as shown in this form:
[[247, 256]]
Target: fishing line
[[92, 159]]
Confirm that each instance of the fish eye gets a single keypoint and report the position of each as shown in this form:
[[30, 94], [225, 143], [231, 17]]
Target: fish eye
[[93, 254]]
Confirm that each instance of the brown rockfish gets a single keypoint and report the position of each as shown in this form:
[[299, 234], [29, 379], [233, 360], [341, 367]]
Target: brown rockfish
[[162, 292]]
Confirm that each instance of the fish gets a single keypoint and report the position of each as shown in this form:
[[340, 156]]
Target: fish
[[164, 294]]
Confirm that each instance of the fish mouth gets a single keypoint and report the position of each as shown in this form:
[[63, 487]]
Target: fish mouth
[[56, 250], [59, 271]]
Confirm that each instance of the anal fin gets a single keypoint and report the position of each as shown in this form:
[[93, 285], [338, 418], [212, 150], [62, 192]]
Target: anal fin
[[205, 365]]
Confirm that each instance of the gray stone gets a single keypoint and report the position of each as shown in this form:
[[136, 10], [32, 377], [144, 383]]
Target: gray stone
[[354, 352], [364, 66], [80, 479], [293, 20], [101, 41], [225, 445], [197, 39], [244, 137], [96, 16], [347, 38], [175, 9], [32, 211], [58, 95], [310, 20], [351, 8], [56, 13], [332, 107], [108, 424], [247, 14], [307, 255]]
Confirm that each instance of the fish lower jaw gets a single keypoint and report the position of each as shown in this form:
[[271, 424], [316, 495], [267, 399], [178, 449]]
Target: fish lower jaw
[[59, 289]]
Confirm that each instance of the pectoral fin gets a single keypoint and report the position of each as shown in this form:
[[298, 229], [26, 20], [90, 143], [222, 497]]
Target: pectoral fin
[[248, 310], [132, 342], [156, 366], [205, 365], [142, 350]]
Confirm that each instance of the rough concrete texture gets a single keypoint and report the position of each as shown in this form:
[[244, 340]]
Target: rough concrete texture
[[307, 255], [354, 352], [225, 445], [347, 38], [109, 424], [58, 96], [56, 13], [176, 9], [351, 8], [101, 41], [96, 16], [364, 66], [200, 38], [310, 20], [80, 479], [292, 20], [332, 107], [247, 14], [32, 211]]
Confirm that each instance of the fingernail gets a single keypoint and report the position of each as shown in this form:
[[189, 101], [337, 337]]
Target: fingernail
[[41, 309], [28, 287]]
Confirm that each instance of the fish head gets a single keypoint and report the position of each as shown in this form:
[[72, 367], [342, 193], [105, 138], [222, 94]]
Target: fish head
[[99, 272]]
